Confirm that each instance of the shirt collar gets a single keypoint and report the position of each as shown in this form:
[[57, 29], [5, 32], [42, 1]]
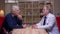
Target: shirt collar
[[12, 15], [47, 15]]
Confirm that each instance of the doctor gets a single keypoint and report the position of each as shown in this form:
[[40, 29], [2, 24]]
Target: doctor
[[48, 22]]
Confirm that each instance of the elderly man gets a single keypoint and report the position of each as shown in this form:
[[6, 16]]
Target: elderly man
[[13, 20], [48, 22]]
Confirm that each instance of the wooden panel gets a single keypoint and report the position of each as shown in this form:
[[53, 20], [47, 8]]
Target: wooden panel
[[2, 4], [28, 4]]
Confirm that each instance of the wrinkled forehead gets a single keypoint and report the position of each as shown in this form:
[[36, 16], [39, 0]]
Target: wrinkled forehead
[[15, 7], [44, 8]]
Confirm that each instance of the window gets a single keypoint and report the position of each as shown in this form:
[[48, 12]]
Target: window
[[11, 1]]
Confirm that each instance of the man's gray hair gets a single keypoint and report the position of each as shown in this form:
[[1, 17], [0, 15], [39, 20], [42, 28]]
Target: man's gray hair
[[14, 7]]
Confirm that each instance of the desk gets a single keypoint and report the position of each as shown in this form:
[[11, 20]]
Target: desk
[[29, 31]]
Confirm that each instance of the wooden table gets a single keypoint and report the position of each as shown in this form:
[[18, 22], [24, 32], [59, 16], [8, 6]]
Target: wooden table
[[29, 31]]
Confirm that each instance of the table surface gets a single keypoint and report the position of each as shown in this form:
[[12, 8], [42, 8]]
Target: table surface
[[29, 30]]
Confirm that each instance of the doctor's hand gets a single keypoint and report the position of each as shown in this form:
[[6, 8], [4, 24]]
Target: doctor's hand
[[34, 26], [24, 25]]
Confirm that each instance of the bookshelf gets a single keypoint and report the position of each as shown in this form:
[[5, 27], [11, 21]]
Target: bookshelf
[[31, 11]]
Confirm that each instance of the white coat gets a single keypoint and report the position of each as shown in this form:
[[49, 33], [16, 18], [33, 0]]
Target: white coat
[[50, 24]]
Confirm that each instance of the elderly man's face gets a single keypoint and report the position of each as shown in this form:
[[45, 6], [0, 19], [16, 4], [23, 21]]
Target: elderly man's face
[[45, 11], [16, 11]]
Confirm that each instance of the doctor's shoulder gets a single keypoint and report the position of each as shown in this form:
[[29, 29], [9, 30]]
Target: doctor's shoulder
[[52, 15]]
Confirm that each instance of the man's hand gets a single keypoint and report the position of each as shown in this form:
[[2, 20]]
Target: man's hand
[[34, 26], [19, 16]]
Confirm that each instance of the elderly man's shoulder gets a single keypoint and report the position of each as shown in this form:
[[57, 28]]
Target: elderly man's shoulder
[[9, 14]]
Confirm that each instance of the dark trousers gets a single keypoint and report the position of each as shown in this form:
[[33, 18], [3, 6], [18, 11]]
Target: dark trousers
[[1, 32]]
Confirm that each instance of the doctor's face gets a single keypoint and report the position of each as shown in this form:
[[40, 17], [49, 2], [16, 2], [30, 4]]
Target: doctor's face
[[45, 11]]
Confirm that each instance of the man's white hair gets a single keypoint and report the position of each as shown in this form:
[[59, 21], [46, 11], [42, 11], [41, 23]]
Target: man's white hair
[[15, 7]]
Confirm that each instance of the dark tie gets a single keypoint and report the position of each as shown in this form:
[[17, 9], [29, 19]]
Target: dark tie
[[45, 23], [44, 20]]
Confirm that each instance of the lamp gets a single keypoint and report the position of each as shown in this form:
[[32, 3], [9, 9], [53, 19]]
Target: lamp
[[1, 12]]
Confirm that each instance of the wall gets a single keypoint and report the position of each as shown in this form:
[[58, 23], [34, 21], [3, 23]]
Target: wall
[[57, 7], [2, 4]]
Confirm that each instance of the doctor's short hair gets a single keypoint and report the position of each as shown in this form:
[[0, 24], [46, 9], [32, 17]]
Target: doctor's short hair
[[48, 8], [14, 7]]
